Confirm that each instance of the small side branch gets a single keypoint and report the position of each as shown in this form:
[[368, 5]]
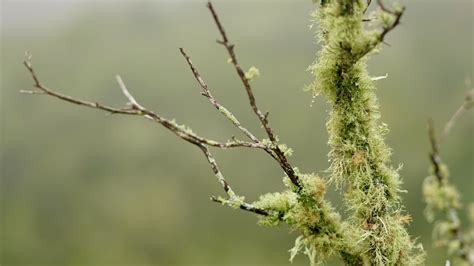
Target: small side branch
[[134, 108], [241, 205], [396, 13], [263, 117], [367, 7], [451, 205], [434, 153], [207, 93], [386, 28], [468, 103], [248, 88], [233, 199]]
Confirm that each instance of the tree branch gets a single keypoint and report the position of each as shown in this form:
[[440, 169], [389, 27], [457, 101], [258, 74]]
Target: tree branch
[[451, 211], [134, 108], [233, 199], [263, 117], [398, 15], [242, 205], [367, 7], [434, 153], [207, 93]]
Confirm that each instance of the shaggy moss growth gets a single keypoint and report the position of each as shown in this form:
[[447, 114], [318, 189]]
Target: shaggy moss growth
[[375, 232], [359, 157], [306, 211]]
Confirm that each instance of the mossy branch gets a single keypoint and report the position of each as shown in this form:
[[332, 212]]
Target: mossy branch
[[375, 231], [442, 197], [359, 157]]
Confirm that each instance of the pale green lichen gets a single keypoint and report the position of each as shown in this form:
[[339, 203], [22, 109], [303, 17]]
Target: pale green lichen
[[359, 157], [287, 151], [439, 197], [252, 73], [443, 202], [236, 201], [374, 233], [233, 201], [229, 115], [182, 127], [306, 211]]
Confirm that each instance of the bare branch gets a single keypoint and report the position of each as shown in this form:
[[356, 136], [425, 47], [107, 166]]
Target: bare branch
[[206, 93], [468, 103], [367, 7], [242, 205], [241, 73], [127, 94], [137, 110], [434, 153], [184, 133], [263, 117], [232, 199], [398, 15], [134, 108]]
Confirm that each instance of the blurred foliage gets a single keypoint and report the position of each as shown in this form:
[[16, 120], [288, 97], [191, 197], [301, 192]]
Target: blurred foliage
[[80, 187]]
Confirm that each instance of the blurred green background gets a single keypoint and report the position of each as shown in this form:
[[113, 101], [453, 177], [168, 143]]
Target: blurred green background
[[79, 187]]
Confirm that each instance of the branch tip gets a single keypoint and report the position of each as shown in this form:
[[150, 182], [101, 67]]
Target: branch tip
[[131, 100]]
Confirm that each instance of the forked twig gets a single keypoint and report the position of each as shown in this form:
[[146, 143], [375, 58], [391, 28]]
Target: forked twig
[[398, 15], [263, 117], [135, 108]]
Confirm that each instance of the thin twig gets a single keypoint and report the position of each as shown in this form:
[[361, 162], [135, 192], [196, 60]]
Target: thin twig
[[241, 73], [32, 92], [398, 15], [127, 94], [468, 103], [434, 153], [243, 206], [263, 117], [138, 110], [367, 7], [232, 197], [207, 93]]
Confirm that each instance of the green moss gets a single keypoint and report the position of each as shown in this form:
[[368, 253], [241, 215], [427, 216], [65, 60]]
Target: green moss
[[374, 233], [360, 159], [307, 212]]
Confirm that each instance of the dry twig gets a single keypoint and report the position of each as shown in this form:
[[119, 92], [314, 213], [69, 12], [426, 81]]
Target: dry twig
[[263, 117], [468, 103], [398, 15], [134, 108]]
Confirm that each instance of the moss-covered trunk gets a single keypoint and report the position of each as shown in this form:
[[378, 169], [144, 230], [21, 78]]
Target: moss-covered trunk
[[359, 157]]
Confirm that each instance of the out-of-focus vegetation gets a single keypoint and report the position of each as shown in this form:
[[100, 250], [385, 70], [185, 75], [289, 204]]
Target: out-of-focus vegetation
[[79, 187]]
